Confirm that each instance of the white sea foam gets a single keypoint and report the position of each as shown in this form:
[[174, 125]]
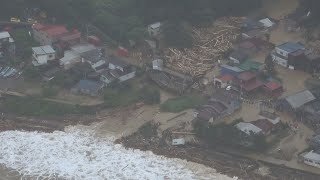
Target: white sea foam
[[78, 154]]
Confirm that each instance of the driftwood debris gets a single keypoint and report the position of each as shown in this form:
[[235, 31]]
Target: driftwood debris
[[210, 44]]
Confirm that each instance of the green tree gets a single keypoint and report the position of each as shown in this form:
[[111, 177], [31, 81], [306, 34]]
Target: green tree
[[177, 35], [150, 95], [260, 142], [32, 73], [270, 66]]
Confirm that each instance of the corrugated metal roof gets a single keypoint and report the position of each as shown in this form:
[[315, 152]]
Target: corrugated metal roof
[[312, 156], [43, 50], [69, 56], [155, 25], [249, 65], [267, 22], [247, 75], [290, 46], [81, 48], [4, 34], [233, 68], [248, 128], [300, 99]]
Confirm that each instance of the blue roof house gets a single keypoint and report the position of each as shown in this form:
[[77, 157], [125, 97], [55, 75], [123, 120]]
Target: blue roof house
[[281, 53], [87, 87]]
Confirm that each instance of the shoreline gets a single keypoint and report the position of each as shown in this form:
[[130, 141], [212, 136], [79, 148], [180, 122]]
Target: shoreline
[[233, 165], [229, 164]]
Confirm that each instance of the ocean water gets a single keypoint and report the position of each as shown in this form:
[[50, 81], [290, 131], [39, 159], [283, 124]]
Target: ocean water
[[79, 154]]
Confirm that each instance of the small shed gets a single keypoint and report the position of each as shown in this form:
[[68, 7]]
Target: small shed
[[235, 71], [248, 128], [267, 22], [223, 80], [250, 65], [157, 64], [180, 141], [272, 117], [265, 125]]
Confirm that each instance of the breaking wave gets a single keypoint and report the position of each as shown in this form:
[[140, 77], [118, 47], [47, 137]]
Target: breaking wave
[[79, 154]]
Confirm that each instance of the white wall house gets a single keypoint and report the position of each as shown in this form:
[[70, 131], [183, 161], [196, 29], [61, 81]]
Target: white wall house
[[41, 55], [282, 51], [154, 29], [311, 158]]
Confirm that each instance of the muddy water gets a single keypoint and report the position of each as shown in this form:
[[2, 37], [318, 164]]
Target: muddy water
[[7, 174]]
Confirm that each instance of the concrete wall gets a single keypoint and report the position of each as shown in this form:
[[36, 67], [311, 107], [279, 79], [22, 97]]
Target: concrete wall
[[282, 52], [279, 60], [41, 59], [97, 64], [311, 163], [105, 80]]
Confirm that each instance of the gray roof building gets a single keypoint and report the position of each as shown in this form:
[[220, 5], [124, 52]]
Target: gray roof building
[[248, 128], [300, 99], [82, 48], [312, 158], [118, 62], [4, 35], [43, 50]]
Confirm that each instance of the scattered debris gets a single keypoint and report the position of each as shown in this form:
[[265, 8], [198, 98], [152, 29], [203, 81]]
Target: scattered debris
[[210, 45]]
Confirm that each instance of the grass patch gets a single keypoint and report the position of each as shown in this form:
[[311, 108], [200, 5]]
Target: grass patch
[[182, 103], [30, 106], [129, 93]]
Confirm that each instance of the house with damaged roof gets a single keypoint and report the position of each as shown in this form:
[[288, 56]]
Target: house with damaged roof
[[217, 107], [48, 34], [119, 70]]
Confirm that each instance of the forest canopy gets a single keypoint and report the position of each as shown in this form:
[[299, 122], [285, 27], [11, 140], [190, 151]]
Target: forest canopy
[[127, 19]]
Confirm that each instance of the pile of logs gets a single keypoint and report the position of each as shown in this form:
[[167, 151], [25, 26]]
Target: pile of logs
[[210, 44]]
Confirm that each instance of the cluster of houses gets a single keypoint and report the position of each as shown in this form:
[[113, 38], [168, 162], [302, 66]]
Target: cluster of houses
[[312, 157], [295, 56], [66, 50], [267, 123], [244, 79], [7, 45]]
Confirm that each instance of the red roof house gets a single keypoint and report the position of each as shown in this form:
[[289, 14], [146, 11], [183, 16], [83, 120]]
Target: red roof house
[[264, 124], [223, 80], [225, 77], [273, 88], [246, 76], [47, 34]]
